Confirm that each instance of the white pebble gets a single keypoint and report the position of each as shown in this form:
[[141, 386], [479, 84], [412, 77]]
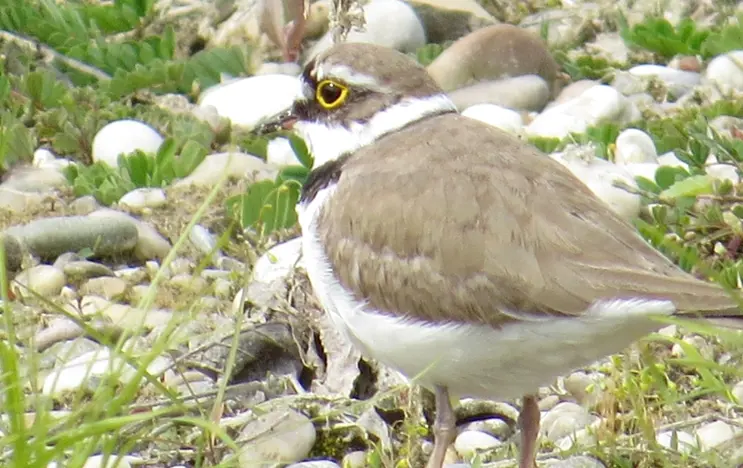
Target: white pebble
[[670, 159], [248, 101], [44, 280], [564, 420], [678, 82], [685, 442], [716, 433], [84, 371], [726, 71], [469, 443], [278, 262], [124, 136], [634, 146], [43, 156], [389, 23], [236, 165], [497, 116], [596, 105], [141, 198]]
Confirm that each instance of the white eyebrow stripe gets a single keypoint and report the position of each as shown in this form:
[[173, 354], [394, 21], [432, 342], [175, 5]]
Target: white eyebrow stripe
[[347, 75]]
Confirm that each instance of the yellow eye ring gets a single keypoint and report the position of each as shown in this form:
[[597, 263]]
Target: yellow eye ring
[[330, 94]]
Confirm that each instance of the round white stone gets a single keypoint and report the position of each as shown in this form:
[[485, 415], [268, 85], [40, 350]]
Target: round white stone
[[726, 70], [596, 105], [247, 101], [634, 146], [388, 23], [678, 82], [497, 116], [469, 443], [685, 442], [141, 198], [124, 137]]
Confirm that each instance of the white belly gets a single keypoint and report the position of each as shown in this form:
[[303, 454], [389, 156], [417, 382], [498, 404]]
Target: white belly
[[475, 360]]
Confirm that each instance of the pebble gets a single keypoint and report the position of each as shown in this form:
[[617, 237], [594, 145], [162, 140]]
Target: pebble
[[267, 94], [132, 275], [141, 198], [714, 434], [444, 20], [44, 280], [355, 459], [187, 282], [108, 287], [678, 82], [113, 461], [726, 71], [597, 105], [496, 427], [611, 47], [83, 372], [84, 269], [634, 146], [13, 252], [388, 23], [314, 464], [34, 179], [204, 241], [579, 461], [684, 443], [737, 392], [564, 26], [573, 90], [16, 201], [491, 53], [84, 205], [702, 346], [278, 262], [497, 116], [50, 237], [585, 388], [282, 435], [564, 420], [124, 137], [231, 165], [469, 443], [149, 242], [526, 92]]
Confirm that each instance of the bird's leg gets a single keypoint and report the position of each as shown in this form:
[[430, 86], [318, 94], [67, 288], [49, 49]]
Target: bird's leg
[[529, 426], [444, 428]]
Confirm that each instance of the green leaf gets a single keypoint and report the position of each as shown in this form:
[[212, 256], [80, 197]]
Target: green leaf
[[298, 174], [689, 187], [647, 185], [666, 176], [192, 154], [267, 206]]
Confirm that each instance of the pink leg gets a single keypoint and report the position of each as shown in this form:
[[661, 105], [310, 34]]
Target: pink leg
[[529, 425], [444, 428]]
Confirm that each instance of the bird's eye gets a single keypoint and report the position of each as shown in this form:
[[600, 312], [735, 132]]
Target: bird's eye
[[330, 94]]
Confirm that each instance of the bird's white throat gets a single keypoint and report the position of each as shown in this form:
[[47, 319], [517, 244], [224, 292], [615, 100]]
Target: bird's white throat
[[328, 141]]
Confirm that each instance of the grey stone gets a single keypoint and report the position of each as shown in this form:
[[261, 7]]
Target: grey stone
[[13, 252], [50, 237], [279, 436]]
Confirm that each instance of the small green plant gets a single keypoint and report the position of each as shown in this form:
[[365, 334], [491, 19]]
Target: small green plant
[[659, 36], [269, 205], [601, 136], [135, 170], [430, 52]]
